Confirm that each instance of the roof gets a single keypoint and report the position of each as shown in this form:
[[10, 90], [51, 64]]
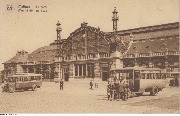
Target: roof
[[43, 54], [149, 28], [24, 75], [154, 45], [139, 68], [21, 56], [150, 31], [152, 38]]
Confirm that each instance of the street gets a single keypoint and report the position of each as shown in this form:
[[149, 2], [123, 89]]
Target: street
[[78, 98]]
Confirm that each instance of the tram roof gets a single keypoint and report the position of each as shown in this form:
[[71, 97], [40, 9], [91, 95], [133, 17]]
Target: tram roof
[[24, 75], [174, 72], [139, 68]]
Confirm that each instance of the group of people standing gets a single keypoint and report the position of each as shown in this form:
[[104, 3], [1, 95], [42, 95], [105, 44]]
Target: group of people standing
[[118, 90]]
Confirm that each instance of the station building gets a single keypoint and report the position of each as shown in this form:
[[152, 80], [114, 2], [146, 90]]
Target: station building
[[89, 52]]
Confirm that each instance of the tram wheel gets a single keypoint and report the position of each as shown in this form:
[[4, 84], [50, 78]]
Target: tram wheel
[[154, 91], [34, 87]]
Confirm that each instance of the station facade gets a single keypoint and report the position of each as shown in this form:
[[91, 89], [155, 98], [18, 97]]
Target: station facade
[[89, 52]]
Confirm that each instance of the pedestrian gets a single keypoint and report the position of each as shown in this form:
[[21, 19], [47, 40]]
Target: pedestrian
[[116, 89], [96, 83], [91, 85], [121, 90], [61, 84], [108, 91], [109, 80], [115, 78], [111, 91], [126, 89]]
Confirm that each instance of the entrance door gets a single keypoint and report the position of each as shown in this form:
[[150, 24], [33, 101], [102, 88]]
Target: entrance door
[[105, 76], [66, 76], [136, 80]]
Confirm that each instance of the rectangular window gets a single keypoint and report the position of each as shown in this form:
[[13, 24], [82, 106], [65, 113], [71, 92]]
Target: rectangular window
[[84, 69], [80, 70], [143, 75]]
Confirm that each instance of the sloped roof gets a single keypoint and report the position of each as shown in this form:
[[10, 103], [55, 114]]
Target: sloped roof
[[43, 54], [21, 56], [154, 45], [150, 31]]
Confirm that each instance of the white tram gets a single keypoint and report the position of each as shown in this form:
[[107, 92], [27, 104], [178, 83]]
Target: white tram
[[142, 79]]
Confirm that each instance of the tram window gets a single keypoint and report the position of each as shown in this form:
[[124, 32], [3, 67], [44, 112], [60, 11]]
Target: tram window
[[127, 75], [143, 75], [163, 76], [37, 78], [25, 78], [158, 76], [32, 77], [130, 75]]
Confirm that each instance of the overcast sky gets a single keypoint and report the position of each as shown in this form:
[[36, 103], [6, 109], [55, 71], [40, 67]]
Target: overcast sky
[[29, 31]]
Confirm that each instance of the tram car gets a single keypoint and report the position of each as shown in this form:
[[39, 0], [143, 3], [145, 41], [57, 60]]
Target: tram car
[[142, 79], [22, 81]]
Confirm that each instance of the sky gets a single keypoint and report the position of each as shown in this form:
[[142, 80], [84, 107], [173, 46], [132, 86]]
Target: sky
[[31, 30]]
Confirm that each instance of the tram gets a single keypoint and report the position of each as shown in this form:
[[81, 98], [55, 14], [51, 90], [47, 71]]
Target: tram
[[142, 79], [22, 81]]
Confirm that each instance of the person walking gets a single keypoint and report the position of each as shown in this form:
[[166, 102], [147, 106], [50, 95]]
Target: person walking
[[91, 85], [126, 90], [121, 90], [108, 91], [61, 84], [96, 82]]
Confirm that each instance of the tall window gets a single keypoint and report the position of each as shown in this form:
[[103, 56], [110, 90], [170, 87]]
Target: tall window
[[90, 69], [84, 69], [76, 70], [80, 70]]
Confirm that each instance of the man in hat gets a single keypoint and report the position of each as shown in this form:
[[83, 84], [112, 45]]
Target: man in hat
[[121, 90], [61, 84], [91, 85]]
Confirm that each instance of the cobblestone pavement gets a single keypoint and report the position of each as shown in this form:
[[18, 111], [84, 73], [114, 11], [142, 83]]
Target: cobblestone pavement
[[78, 98]]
